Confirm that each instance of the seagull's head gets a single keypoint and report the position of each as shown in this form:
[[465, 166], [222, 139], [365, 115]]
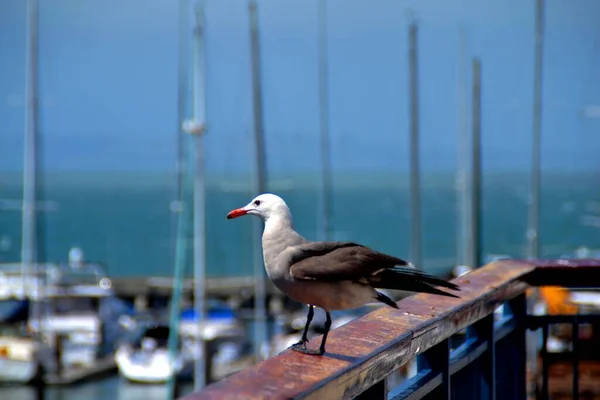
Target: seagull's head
[[265, 206]]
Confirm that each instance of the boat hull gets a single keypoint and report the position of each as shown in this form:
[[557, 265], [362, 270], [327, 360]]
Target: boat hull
[[17, 371], [151, 368]]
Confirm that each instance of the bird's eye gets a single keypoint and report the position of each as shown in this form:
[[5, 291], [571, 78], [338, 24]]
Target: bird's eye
[[257, 203]]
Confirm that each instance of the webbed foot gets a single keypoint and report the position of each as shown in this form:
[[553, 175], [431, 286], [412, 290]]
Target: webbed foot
[[301, 348]]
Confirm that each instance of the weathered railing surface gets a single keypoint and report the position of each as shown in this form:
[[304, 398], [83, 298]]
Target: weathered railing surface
[[490, 364]]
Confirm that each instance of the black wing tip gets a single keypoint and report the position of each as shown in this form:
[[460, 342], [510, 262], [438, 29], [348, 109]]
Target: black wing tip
[[429, 278], [428, 288], [443, 293], [448, 285], [386, 300]]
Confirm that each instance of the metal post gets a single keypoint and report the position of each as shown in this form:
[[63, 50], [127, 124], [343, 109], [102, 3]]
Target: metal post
[[378, 391], [483, 330], [534, 194], [576, 356], [476, 167], [415, 186], [327, 180], [199, 99], [260, 331], [518, 308], [437, 359]]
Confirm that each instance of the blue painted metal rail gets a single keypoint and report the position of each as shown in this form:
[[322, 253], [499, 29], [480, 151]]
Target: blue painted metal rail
[[488, 361]]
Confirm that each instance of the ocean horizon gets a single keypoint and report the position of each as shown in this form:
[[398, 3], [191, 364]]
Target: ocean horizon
[[124, 219]]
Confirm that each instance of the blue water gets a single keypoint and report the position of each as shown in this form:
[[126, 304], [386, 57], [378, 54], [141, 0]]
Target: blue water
[[124, 219], [110, 388]]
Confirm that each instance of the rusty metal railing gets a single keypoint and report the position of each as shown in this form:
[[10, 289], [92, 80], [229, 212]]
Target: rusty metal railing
[[489, 364]]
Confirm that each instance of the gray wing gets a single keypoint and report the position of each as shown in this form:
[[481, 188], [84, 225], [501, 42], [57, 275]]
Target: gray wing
[[335, 261], [339, 261]]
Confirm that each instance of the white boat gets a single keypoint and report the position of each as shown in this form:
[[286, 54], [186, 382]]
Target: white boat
[[18, 361], [67, 318], [19, 352], [146, 359]]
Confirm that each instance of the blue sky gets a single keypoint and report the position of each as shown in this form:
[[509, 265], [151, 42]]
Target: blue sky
[[108, 83]]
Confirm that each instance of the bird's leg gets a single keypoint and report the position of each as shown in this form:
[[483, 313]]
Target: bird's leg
[[301, 345], [304, 339], [327, 327], [309, 317]]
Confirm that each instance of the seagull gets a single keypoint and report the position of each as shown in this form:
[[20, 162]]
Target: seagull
[[330, 275]]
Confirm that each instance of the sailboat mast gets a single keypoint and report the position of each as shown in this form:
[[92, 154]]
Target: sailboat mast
[[182, 206], [534, 194], [260, 329], [476, 183], [182, 82], [327, 181], [415, 185], [463, 188], [28, 239], [198, 130]]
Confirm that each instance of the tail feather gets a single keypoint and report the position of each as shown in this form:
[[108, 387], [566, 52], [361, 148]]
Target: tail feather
[[424, 277], [412, 280], [384, 299]]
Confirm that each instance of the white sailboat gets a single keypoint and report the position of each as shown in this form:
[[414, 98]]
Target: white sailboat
[[18, 352], [145, 359], [77, 331], [18, 348]]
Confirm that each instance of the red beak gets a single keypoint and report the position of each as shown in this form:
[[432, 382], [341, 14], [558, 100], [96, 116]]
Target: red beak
[[238, 212]]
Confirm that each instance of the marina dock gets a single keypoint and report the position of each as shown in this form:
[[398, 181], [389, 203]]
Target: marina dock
[[145, 291], [131, 287], [71, 376]]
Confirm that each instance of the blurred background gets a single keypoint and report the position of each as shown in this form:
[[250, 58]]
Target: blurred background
[[448, 133]]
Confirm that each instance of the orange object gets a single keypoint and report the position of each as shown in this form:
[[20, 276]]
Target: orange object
[[557, 300]]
